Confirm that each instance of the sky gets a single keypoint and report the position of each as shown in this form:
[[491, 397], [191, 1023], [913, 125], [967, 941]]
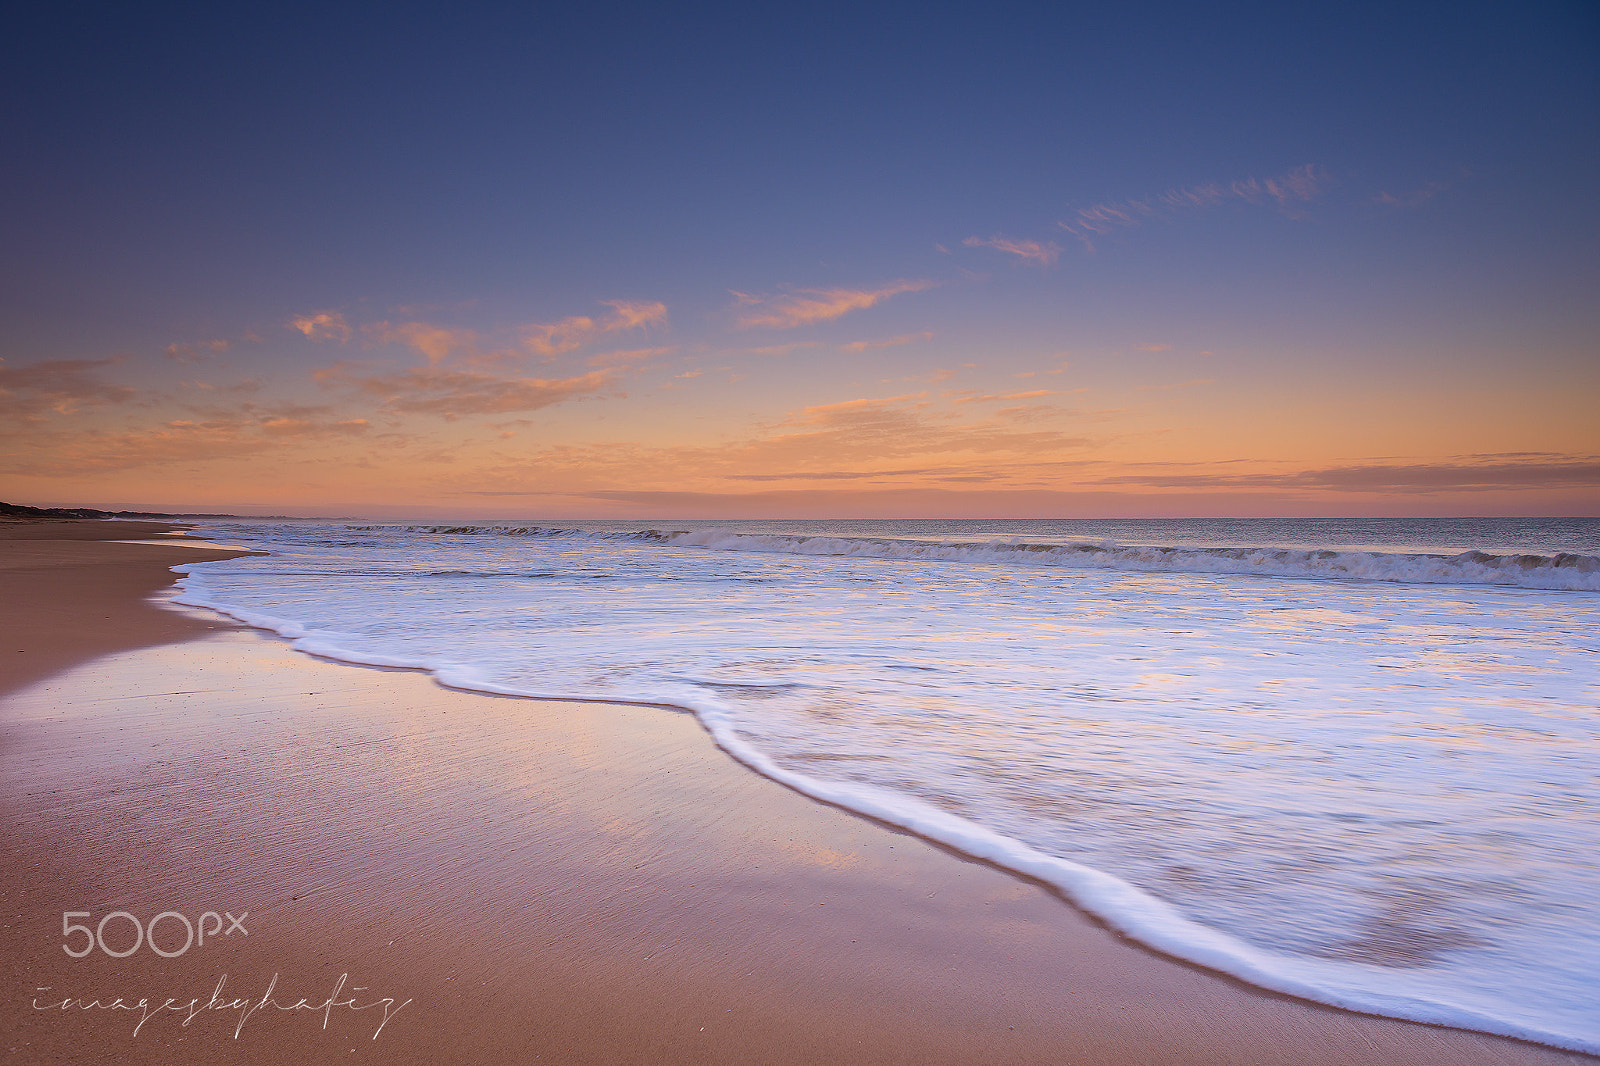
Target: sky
[[876, 260]]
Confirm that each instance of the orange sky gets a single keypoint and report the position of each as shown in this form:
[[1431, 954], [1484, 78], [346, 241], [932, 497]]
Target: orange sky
[[801, 403]]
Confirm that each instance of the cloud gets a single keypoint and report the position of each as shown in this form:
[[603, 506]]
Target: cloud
[[435, 342], [916, 502], [92, 451], [245, 430], [1152, 347], [558, 337], [1029, 251], [1414, 198], [906, 437], [203, 352], [438, 343], [632, 314], [837, 434], [782, 349], [1032, 394], [630, 356], [892, 342], [323, 326], [60, 386], [454, 394], [849, 475], [1285, 192], [303, 427], [804, 307], [1543, 472], [1177, 385]]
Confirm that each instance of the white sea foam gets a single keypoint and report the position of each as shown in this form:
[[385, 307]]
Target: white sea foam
[[1375, 793]]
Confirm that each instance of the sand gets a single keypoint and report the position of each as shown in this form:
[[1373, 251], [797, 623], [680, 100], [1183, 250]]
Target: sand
[[489, 879]]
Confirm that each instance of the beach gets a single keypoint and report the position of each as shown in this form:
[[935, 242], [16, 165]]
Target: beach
[[447, 876]]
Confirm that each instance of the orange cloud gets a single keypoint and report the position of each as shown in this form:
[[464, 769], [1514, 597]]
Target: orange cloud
[[1028, 251], [892, 342], [782, 349], [435, 342], [1152, 347], [1537, 471], [202, 352], [322, 326], [632, 314], [1032, 394], [804, 307], [630, 356], [454, 394], [574, 332], [303, 427], [62, 386]]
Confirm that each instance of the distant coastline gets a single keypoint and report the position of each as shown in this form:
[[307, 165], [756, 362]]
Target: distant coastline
[[17, 510]]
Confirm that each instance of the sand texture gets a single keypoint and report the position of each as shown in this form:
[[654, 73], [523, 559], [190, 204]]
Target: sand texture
[[515, 880]]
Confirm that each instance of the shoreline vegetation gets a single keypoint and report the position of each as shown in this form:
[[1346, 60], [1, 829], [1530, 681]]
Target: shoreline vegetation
[[17, 511], [508, 879]]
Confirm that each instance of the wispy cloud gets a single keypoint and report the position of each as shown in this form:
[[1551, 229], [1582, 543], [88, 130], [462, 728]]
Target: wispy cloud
[[216, 433], [782, 349], [305, 427], [1287, 192], [436, 342], [1031, 394], [558, 337], [61, 386], [1152, 347], [1468, 474], [629, 357], [202, 352], [891, 342], [848, 475], [804, 307], [1414, 198], [1029, 251], [454, 394], [505, 345]]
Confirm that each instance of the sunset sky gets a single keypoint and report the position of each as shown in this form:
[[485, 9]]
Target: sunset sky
[[833, 260]]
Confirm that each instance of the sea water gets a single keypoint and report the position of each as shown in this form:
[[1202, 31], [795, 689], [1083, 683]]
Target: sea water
[[1353, 761]]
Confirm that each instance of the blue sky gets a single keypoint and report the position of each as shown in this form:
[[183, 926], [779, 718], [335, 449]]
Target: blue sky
[[1242, 245]]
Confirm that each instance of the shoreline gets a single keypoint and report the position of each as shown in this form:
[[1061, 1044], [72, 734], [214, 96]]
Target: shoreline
[[398, 828]]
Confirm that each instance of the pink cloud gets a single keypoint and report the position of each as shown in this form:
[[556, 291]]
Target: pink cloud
[[322, 326], [892, 342], [62, 386], [804, 307], [1029, 251], [202, 352], [629, 356], [435, 342], [455, 394], [574, 332], [1415, 198]]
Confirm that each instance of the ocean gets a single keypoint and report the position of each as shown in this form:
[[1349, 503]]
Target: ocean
[[1354, 761]]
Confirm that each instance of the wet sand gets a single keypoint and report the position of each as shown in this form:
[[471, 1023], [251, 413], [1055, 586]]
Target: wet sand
[[522, 880]]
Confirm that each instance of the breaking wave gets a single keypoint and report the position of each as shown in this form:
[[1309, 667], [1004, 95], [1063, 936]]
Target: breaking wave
[[1564, 571]]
